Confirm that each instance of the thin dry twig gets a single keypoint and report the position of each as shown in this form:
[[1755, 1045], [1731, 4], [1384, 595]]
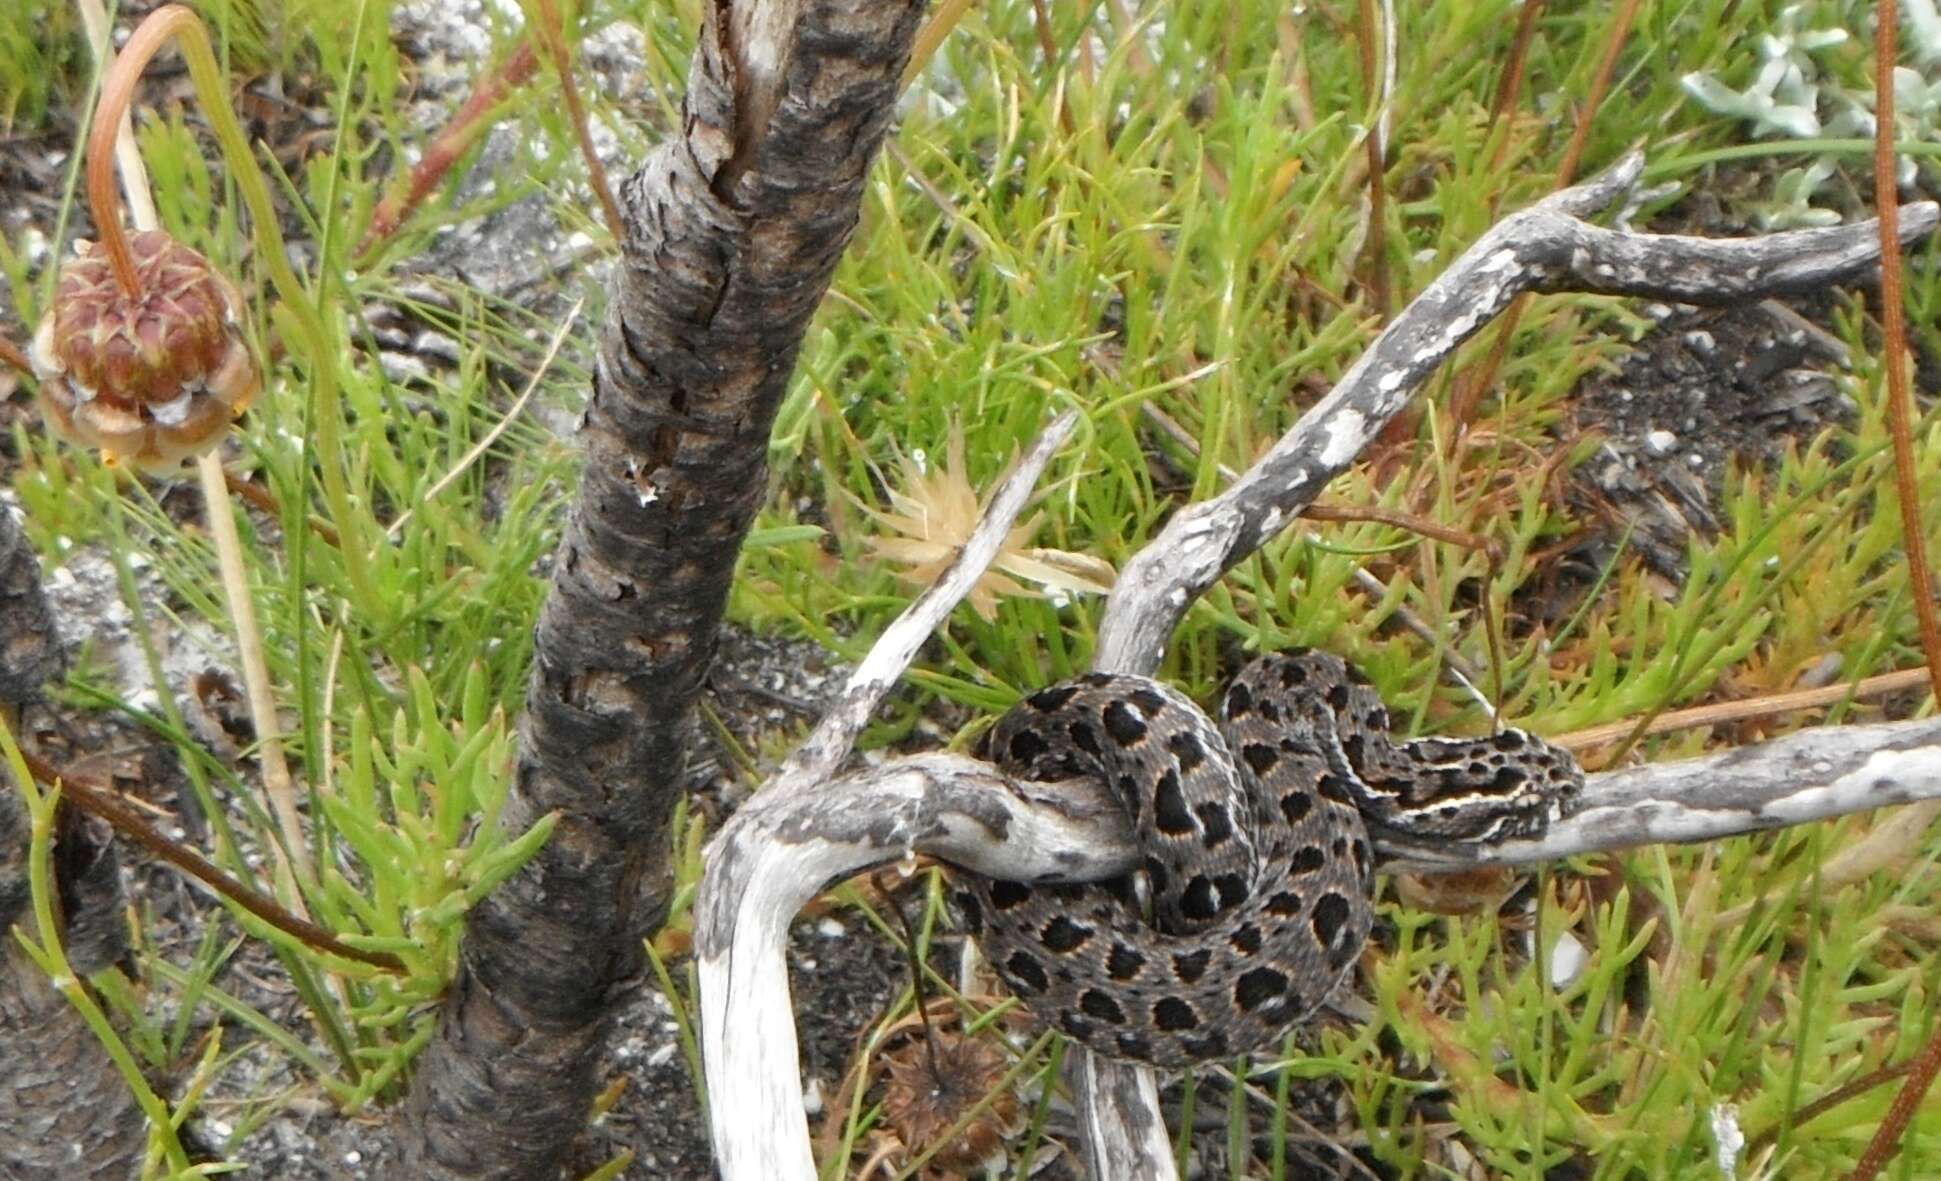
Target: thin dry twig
[[1723, 712], [742, 912], [553, 31]]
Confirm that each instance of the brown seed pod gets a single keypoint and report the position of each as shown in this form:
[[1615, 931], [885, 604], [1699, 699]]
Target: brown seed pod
[[926, 1096], [150, 379]]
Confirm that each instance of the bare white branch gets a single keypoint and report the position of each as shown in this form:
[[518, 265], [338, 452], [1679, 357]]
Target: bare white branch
[[791, 841], [769, 860], [783, 848]]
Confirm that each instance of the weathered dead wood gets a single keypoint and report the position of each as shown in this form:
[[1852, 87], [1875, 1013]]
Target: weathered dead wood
[[757, 878], [783, 846]]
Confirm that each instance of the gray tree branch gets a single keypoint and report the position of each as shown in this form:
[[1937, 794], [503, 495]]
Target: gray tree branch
[[783, 847]]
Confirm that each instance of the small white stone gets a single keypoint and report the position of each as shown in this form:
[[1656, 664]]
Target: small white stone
[[1567, 961], [1660, 442], [830, 928], [812, 1097], [1728, 1140]]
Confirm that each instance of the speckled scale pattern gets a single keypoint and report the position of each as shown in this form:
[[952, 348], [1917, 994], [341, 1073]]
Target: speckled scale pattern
[[1257, 859]]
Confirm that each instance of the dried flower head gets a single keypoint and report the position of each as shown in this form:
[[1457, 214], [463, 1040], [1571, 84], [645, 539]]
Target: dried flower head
[[926, 1096], [150, 379], [931, 517]]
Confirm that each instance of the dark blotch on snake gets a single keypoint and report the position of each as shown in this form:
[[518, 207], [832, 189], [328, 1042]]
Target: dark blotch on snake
[[970, 911], [1206, 1045], [1215, 825], [1330, 913], [1123, 723], [1122, 963], [1148, 700], [1005, 895], [1027, 975], [1257, 986], [1062, 935], [1186, 751], [1026, 746], [1189, 966], [1049, 700], [1260, 756], [1508, 780], [1284, 904], [1171, 1015], [1085, 738], [1094, 1003], [1295, 805], [1169, 814], [1246, 939], [1197, 900], [1333, 787], [1306, 859], [1232, 889]]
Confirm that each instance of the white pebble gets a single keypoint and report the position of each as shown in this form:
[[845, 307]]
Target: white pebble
[[1567, 961]]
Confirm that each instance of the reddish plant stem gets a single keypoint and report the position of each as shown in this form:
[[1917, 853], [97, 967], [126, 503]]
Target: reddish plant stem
[[464, 129], [1828, 1102], [553, 31], [117, 92], [1471, 386], [1926, 1061], [1509, 89], [106, 804], [1375, 247]]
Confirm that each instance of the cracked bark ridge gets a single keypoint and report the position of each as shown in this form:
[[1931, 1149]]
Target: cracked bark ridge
[[30, 651], [64, 1111], [735, 227]]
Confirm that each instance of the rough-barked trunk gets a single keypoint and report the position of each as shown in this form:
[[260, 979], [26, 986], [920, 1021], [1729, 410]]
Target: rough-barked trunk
[[735, 227], [64, 1110]]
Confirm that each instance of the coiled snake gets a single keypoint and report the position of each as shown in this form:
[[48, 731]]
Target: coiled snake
[[1256, 848]]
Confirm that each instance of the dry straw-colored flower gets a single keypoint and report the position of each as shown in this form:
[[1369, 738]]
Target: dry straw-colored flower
[[931, 517], [151, 379]]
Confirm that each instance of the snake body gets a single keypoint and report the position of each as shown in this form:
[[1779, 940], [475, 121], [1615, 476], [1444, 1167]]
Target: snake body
[[1255, 833]]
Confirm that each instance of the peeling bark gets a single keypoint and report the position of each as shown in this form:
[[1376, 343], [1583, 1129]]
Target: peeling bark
[[735, 228]]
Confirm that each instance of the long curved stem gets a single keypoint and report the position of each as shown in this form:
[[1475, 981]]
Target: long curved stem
[[176, 22], [180, 24]]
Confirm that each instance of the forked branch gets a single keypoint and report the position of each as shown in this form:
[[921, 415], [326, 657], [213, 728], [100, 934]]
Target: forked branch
[[793, 839]]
